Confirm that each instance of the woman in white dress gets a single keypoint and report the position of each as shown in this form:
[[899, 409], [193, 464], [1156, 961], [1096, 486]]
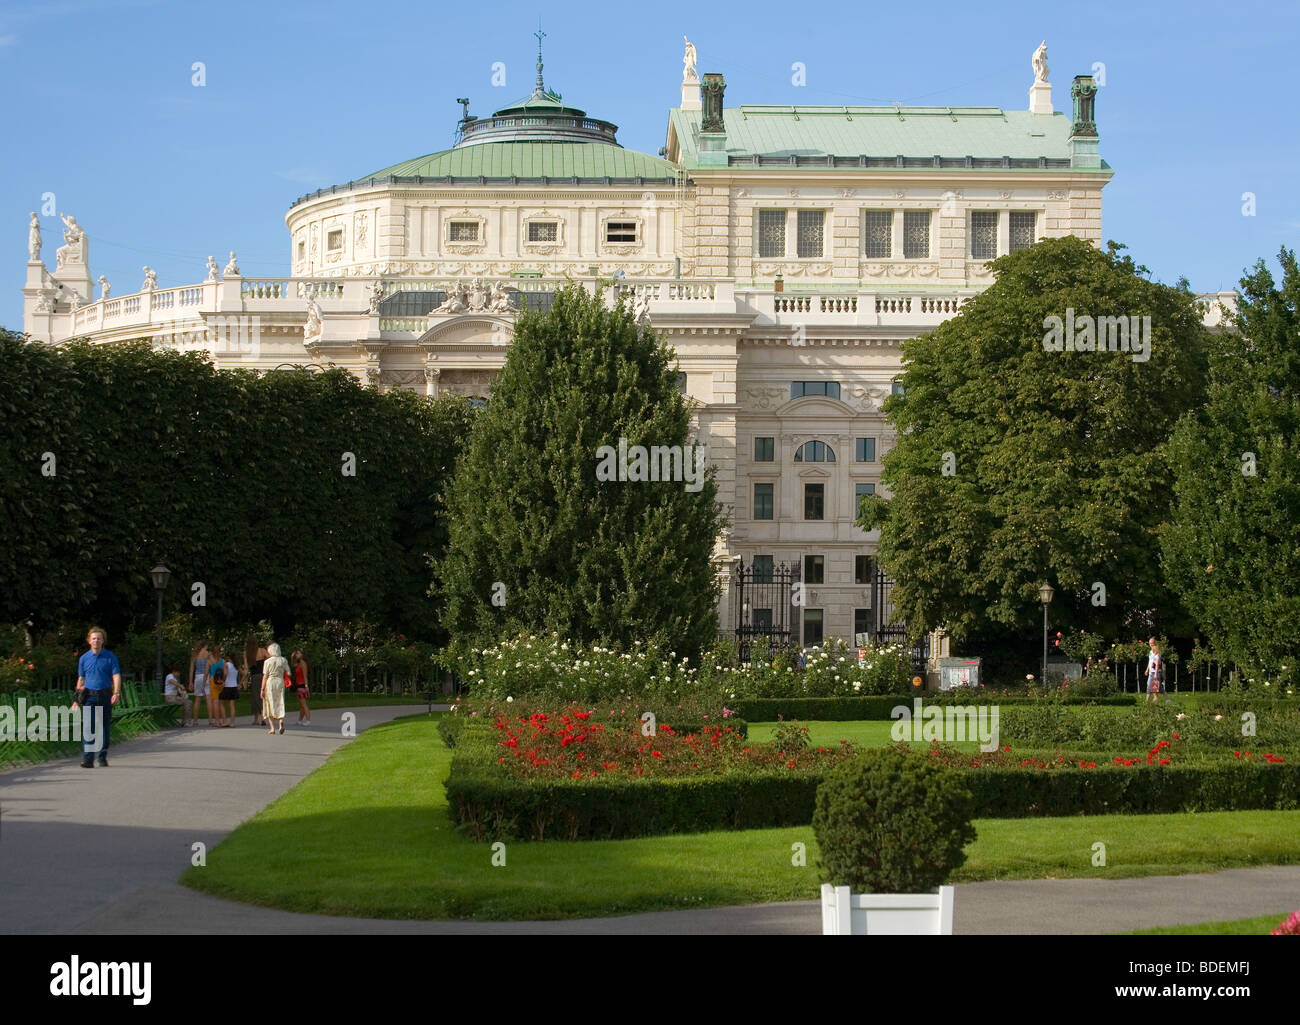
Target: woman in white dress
[[273, 688]]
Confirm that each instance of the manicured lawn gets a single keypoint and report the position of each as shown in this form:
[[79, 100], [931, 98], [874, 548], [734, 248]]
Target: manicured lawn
[[1260, 926], [368, 834]]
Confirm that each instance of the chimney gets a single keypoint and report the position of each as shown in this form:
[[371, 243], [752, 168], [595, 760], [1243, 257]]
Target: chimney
[[1083, 132], [713, 130]]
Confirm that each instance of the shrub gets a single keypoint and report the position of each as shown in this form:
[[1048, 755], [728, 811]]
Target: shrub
[[890, 822]]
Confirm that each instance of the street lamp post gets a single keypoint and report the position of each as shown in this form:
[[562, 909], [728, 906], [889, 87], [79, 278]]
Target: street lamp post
[[1045, 594], [161, 574]]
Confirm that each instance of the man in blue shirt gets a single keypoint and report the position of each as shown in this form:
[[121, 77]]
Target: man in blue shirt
[[99, 686]]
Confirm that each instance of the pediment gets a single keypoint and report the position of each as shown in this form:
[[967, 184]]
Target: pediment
[[471, 329], [816, 405]]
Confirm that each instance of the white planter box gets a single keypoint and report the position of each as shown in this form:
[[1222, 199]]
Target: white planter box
[[845, 913]]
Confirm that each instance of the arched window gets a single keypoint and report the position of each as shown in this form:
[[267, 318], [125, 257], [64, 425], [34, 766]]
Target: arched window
[[478, 403], [814, 452]]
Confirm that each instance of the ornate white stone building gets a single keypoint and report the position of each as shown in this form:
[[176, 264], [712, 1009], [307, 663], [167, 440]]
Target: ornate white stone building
[[784, 252]]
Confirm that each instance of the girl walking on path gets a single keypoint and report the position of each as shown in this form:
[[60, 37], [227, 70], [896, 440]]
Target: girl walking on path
[[200, 658], [1155, 672], [255, 657], [273, 674], [300, 685]]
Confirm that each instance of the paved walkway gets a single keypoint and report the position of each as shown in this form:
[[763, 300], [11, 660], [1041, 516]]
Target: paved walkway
[[98, 851]]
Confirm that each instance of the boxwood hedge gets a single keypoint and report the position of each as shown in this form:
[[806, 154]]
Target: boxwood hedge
[[489, 804]]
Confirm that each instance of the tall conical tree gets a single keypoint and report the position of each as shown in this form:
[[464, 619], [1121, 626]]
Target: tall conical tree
[[1232, 550], [538, 543]]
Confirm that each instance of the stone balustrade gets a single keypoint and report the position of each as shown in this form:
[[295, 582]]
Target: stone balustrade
[[351, 296]]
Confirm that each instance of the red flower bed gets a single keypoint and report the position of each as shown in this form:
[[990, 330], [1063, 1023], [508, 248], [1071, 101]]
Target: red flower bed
[[570, 744]]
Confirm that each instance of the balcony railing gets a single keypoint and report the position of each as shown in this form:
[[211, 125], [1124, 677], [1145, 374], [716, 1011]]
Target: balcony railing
[[810, 308]]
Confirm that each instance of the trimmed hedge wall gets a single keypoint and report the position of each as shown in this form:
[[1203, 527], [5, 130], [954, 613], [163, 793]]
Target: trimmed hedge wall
[[489, 805], [878, 707]]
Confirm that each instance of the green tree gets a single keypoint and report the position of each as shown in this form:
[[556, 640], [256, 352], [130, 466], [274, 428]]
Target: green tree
[[1232, 550], [596, 561], [1016, 464]]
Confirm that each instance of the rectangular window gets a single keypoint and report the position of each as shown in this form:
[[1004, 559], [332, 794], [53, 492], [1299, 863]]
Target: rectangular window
[[866, 450], [798, 389], [771, 234], [1023, 223], [983, 234], [463, 231], [302, 251], [812, 627], [916, 234], [620, 231], [862, 569], [763, 501], [814, 501], [861, 624], [764, 450], [861, 491], [542, 231], [880, 234], [810, 223], [334, 240], [814, 569], [762, 567]]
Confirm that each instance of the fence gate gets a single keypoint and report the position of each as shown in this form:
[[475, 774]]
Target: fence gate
[[889, 631], [765, 611]]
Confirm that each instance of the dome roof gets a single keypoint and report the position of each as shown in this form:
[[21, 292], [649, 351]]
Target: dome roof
[[557, 159]]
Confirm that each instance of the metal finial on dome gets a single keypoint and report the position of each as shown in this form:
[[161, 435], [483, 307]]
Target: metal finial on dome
[[539, 89]]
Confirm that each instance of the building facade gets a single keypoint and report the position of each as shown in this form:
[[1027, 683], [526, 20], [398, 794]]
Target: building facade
[[785, 253]]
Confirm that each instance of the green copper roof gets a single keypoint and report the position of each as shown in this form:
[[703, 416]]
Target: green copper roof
[[539, 101], [531, 160], [841, 136]]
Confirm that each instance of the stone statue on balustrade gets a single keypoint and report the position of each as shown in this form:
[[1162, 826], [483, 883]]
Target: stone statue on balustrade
[[232, 268], [104, 287], [499, 298], [314, 327], [150, 279], [212, 269], [689, 74], [641, 311], [457, 299], [74, 248], [1040, 62], [376, 296], [34, 239]]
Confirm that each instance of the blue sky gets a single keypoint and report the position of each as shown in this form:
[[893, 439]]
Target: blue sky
[[99, 107]]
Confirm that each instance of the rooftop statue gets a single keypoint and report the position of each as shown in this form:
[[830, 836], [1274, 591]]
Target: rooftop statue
[[1040, 62], [689, 74], [34, 238]]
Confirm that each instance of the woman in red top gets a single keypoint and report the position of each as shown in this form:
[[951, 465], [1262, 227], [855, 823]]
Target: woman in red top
[[300, 683]]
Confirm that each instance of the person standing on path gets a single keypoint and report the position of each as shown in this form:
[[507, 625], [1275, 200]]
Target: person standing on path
[[255, 657], [273, 674], [216, 680], [1155, 672], [199, 659], [300, 687], [99, 688], [229, 693]]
